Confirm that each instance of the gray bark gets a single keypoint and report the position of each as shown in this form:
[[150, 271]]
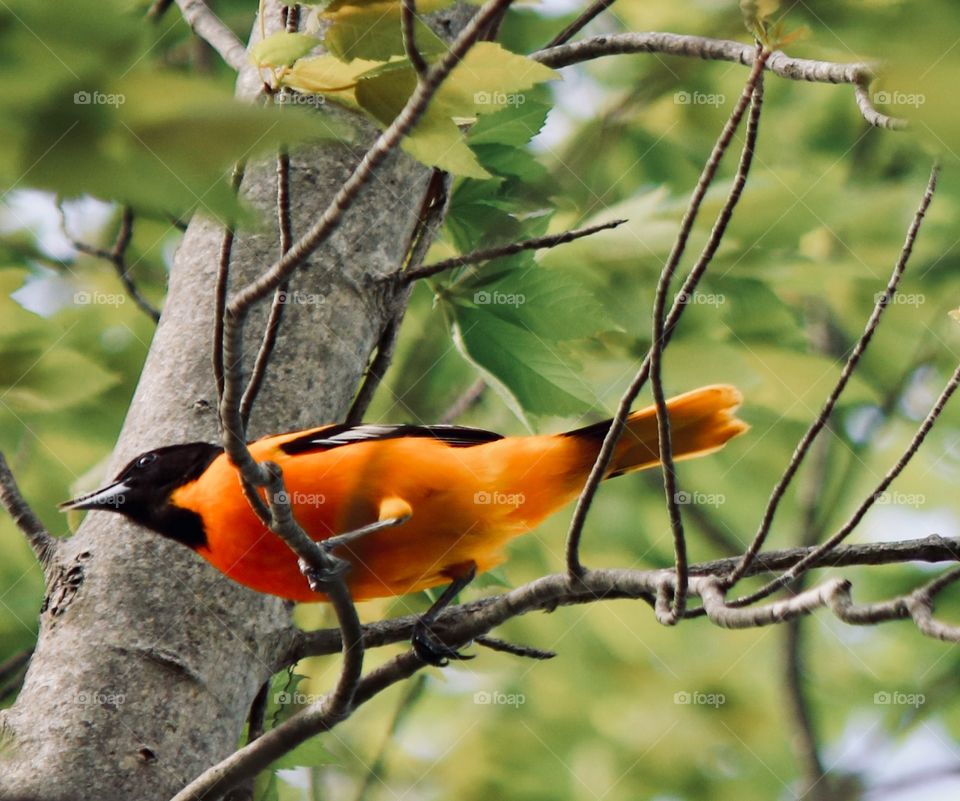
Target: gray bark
[[148, 659]]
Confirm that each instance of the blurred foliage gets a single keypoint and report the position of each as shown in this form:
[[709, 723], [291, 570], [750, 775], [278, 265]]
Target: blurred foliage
[[629, 709]]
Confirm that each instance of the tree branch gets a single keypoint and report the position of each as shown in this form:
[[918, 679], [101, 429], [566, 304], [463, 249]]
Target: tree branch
[[211, 29], [462, 623], [806, 441], [596, 8], [43, 545], [857, 74], [489, 254]]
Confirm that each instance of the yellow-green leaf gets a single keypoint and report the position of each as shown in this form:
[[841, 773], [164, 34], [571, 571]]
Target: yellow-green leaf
[[281, 49]]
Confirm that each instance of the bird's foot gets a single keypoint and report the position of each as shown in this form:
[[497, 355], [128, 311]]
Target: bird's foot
[[319, 579], [431, 650]]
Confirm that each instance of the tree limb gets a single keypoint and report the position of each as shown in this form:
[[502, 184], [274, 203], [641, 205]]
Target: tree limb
[[42, 543], [212, 30], [857, 74]]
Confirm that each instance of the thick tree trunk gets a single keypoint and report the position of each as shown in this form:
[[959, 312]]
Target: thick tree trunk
[[148, 659]]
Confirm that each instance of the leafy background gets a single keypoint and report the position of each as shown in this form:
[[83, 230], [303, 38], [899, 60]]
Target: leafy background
[[559, 335]]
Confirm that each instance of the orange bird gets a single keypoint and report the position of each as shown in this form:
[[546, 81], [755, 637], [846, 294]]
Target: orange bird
[[447, 498]]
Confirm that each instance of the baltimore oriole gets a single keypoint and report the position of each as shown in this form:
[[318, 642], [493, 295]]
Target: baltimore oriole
[[452, 496]]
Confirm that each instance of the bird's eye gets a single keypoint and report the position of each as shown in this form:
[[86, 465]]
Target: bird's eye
[[147, 458]]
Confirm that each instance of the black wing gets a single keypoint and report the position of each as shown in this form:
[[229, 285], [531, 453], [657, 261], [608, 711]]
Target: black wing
[[337, 436]]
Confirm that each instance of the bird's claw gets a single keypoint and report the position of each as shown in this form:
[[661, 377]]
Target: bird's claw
[[431, 651]]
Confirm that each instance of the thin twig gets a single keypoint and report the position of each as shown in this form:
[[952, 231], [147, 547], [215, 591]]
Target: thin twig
[[278, 305], [41, 542], [386, 346], [489, 254], [432, 213], [408, 18], [605, 455], [212, 30], [157, 9], [221, 286], [256, 721], [464, 402], [117, 256], [853, 360], [858, 74], [251, 759], [504, 647], [854, 520], [596, 8], [12, 669], [411, 695]]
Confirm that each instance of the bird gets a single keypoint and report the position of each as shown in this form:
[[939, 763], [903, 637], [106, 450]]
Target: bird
[[408, 507]]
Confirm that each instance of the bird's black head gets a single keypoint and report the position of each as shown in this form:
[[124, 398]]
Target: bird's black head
[[142, 491]]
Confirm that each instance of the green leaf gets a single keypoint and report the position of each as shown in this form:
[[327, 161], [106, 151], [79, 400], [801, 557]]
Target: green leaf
[[487, 80], [310, 753], [529, 374], [547, 303], [515, 125], [281, 49]]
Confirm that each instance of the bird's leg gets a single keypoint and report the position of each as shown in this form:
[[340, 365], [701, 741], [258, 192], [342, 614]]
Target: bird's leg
[[393, 512], [358, 533], [425, 644]]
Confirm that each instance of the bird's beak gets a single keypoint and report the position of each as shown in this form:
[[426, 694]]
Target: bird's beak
[[110, 497]]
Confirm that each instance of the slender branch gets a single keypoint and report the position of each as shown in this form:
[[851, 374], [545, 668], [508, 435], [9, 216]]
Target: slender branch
[[858, 74], [596, 8], [386, 346], [412, 693], [854, 520], [489, 254], [408, 17], [117, 256], [753, 96], [221, 286], [41, 542], [853, 360], [464, 402], [319, 717], [428, 223], [12, 671], [278, 305], [861, 92], [459, 624], [212, 30]]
